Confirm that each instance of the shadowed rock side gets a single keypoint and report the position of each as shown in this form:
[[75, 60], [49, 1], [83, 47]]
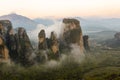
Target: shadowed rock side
[[2, 31], [86, 42], [5, 25], [24, 47], [42, 45], [73, 33], [11, 44]]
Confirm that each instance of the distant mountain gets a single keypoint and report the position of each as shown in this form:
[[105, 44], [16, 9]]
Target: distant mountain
[[89, 25], [99, 24], [20, 21], [102, 36], [112, 23], [45, 21]]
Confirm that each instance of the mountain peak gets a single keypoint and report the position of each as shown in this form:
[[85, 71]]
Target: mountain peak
[[19, 21]]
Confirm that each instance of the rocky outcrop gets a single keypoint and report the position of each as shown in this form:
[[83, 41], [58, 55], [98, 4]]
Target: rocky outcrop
[[72, 33], [54, 43], [86, 42], [42, 45], [4, 53], [113, 43], [11, 44], [41, 54], [24, 47], [6, 24], [117, 36], [20, 47], [54, 46]]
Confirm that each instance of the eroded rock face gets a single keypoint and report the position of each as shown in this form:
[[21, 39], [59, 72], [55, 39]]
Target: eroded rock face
[[41, 55], [42, 40], [117, 36], [11, 44], [6, 24], [24, 47], [73, 33], [54, 43], [2, 31], [86, 42], [4, 53]]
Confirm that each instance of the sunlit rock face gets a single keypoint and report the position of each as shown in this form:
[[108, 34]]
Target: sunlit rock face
[[86, 42], [5, 26], [4, 53], [72, 33], [54, 43], [41, 55]]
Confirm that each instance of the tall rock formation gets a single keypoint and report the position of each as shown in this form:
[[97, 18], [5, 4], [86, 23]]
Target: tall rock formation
[[117, 36], [86, 42], [4, 53], [42, 55], [24, 47], [6, 24], [72, 33], [42, 40]]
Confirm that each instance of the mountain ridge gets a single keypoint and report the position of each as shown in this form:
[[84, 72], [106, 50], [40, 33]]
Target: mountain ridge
[[87, 24], [19, 21]]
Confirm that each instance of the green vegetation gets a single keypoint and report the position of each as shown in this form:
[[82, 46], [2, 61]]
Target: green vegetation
[[98, 65]]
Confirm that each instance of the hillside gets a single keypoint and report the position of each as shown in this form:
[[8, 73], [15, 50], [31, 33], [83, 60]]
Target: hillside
[[20, 21], [99, 24], [102, 35]]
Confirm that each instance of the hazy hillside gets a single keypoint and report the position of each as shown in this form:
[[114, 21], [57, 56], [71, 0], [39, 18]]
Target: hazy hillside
[[20, 21], [103, 35], [100, 24], [112, 23], [89, 26]]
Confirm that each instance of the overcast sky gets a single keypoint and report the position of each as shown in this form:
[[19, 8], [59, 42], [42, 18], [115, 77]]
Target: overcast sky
[[61, 8]]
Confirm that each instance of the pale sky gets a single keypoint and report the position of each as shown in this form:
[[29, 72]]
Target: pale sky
[[61, 8]]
